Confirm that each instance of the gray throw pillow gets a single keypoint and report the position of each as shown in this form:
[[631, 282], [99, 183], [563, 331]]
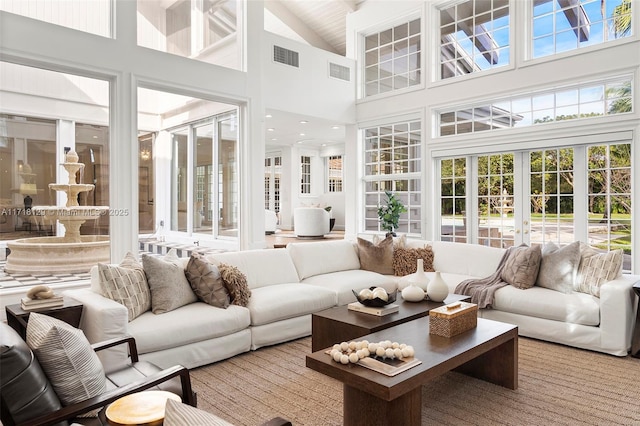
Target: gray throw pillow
[[206, 282], [169, 287], [376, 257], [72, 366], [559, 267], [521, 267], [127, 285], [179, 414]]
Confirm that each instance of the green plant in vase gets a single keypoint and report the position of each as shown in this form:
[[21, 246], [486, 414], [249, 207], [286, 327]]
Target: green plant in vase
[[389, 214]]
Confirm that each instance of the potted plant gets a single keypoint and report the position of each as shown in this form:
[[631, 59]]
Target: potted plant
[[389, 214]]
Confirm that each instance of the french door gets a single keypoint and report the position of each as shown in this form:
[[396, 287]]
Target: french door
[[557, 194]]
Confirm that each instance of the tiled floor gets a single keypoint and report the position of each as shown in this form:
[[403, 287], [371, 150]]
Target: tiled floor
[[279, 239]]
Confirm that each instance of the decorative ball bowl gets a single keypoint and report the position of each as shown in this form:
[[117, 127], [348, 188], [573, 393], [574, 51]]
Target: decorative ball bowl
[[376, 302]]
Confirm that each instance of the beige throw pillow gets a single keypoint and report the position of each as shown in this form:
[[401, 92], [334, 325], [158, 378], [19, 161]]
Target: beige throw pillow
[[559, 267], [72, 366], [597, 268], [521, 267], [236, 283], [405, 260], [206, 282], [376, 258], [169, 287], [127, 285]]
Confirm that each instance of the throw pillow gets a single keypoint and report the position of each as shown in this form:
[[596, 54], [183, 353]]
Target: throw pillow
[[521, 267], [597, 268], [169, 287], [398, 242], [376, 257], [236, 283], [204, 278], [179, 414], [405, 260], [559, 266], [72, 366], [126, 284]]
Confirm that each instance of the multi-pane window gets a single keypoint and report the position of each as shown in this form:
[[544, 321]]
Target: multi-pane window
[[561, 25], [334, 172], [453, 191], [305, 174], [609, 197], [392, 58], [495, 198], [392, 163], [474, 36], [588, 100], [272, 175]]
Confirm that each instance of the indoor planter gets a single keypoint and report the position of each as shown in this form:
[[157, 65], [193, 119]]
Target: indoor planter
[[389, 214]]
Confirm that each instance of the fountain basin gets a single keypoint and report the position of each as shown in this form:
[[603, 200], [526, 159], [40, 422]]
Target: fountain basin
[[52, 255]]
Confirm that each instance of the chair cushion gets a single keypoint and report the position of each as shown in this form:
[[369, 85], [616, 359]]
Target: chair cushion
[[169, 287], [179, 414], [261, 267], [323, 257], [342, 282], [126, 284], [26, 391], [192, 323], [138, 372], [282, 301], [67, 358], [204, 278]]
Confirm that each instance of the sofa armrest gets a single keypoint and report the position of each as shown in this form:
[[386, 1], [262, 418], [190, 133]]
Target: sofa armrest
[[617, 311], [103, 319]]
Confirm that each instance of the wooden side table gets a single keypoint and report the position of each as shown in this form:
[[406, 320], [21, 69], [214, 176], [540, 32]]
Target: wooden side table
[[70, 312], [635, 341], [142, 408]]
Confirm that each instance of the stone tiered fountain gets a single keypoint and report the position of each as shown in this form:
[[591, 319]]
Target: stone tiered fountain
[[72, 252]]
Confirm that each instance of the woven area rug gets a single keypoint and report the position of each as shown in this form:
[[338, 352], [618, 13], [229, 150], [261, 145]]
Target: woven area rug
[[558, 385]]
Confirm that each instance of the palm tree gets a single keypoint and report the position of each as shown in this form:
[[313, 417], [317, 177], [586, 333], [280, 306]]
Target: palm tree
[[622, 19]]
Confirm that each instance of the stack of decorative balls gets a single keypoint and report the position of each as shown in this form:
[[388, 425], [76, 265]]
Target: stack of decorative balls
[[376, 293], [354, 351]]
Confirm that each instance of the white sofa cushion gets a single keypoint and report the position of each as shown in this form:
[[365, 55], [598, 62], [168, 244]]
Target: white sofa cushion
[[191, 323], [466, 259], [342, 282], [574, 308], [283, 301], [323, 257], [261, 267]]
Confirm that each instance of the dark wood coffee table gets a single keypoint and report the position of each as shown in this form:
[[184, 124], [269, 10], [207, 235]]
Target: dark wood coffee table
[[488, 352], [339, 324]]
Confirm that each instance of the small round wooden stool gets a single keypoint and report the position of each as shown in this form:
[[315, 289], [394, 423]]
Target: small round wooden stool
[[142, 408]]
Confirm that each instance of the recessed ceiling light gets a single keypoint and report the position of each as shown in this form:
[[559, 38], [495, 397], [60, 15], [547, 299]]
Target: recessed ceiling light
[[270, 129], [324, 144], [274, 139], [95, 137], [335, 127], [301, 134], [303, 121], [299, 141], [268, 116]]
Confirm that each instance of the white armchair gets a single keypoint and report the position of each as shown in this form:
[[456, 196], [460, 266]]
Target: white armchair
[[310, 222], [270, 222]]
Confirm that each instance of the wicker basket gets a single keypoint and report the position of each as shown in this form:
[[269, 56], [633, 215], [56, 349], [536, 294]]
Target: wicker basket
[[452, 319]]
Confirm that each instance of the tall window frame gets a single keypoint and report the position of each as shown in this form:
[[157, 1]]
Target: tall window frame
[[334, 173], [474, 37], [560, 26], [393, 162], [392, 58], [305, 175]]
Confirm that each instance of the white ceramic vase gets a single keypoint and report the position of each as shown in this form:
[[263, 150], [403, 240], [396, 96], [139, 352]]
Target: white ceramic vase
[[437, 290], [413, 293], [419, 278]]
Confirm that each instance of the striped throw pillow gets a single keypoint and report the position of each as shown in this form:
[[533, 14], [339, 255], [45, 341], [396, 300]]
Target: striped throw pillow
[[179, 414], [126, 284], [597, 268], [72, 366]]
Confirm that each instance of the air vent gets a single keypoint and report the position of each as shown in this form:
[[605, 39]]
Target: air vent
[[285, 56], [339, 71]]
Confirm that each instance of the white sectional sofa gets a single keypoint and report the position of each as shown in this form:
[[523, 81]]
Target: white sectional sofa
[[288, 285]]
